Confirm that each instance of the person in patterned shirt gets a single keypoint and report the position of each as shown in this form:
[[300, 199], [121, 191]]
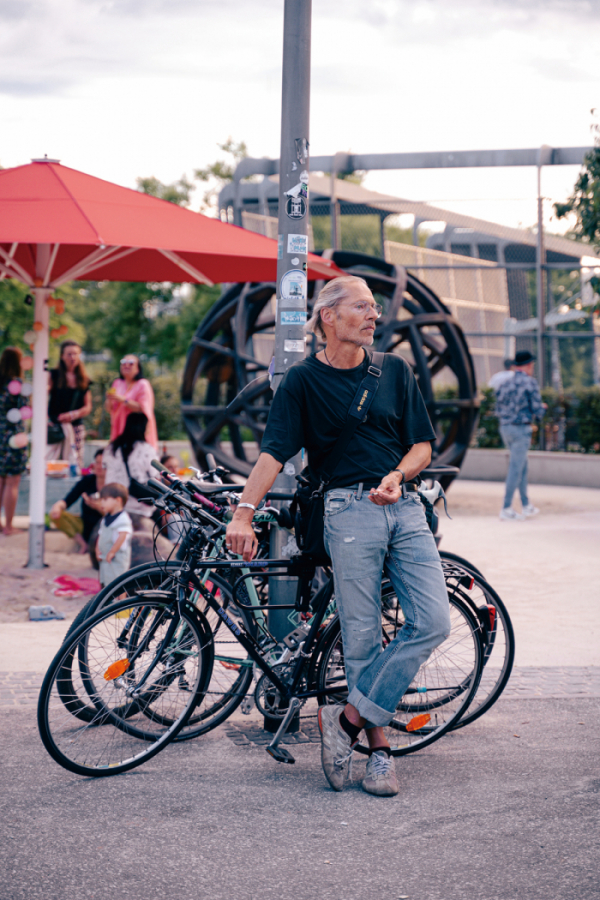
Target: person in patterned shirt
[[518, 404]]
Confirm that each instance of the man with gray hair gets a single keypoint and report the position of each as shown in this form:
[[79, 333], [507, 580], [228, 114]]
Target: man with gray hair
[[373, 518]]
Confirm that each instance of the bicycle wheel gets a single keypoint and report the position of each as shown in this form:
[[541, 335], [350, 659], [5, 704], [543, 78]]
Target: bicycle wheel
[[439, 693], [445, 555], [115, 650], [230, 679], [232, 671], [145, 577], [499, 648]]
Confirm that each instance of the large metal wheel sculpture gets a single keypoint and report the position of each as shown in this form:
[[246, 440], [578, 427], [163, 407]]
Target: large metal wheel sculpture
[[233, 346]]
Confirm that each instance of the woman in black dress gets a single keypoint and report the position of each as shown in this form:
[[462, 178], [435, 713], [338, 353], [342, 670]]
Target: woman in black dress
[[69, 403], [12, 459]]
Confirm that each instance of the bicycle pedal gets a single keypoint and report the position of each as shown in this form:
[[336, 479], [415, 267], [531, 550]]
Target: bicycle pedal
[[281, 755]]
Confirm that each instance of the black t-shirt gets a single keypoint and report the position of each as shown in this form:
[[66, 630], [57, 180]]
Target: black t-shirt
[[64, 399], [311, 405], [86, 485]]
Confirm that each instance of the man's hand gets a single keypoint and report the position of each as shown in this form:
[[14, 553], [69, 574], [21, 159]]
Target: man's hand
[[240, 537], [389, 491], [56, 509]]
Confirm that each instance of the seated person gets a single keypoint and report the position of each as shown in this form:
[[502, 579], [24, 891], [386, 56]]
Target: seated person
[[171, 463], [173, 525], [80, 527]]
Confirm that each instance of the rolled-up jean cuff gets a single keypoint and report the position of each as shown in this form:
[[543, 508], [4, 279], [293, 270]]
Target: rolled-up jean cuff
[[375, 715]]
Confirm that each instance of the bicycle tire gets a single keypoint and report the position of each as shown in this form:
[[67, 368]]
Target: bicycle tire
[[441, 690], [499, 651], [110, 744], [108, 594], [461, 561], [225, 692]]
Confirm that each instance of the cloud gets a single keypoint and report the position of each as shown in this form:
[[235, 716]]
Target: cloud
[[15, 10]]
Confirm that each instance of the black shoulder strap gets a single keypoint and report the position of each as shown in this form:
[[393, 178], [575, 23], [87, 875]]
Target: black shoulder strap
[[356, 414]]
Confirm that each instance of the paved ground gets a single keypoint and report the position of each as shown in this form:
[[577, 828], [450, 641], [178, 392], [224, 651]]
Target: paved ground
[[506, 809]]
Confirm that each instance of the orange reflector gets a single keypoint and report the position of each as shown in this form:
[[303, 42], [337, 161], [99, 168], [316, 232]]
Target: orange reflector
[[227, 665], [492, 612], [417, 722], [115, 669]]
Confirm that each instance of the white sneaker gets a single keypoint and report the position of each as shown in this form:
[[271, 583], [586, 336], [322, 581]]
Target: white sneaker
[[508, 514], [530, 510], [336, 747], [380, 777]]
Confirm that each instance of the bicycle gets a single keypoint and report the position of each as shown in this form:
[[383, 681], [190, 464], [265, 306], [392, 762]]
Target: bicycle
[[232, 678], [310, 666]]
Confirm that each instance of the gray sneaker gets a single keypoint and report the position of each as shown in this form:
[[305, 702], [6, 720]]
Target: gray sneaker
[[336, 747], [380, 777]]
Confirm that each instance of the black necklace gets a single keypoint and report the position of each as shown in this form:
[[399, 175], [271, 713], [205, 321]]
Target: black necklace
[[327, 358]]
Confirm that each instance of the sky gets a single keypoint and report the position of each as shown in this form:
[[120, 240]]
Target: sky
[[128, 88]]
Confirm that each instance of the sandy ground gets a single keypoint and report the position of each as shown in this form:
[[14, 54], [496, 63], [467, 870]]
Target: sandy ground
[[544, 570]]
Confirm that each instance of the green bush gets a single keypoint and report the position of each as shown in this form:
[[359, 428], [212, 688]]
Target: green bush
[[167, 406], [572, 421], [488, 429], [586, 408]]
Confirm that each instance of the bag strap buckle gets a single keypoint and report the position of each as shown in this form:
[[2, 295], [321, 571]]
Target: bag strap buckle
[[373, 370]]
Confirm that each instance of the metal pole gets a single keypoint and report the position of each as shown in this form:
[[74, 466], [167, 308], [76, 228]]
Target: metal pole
[[39, 405], [539, 279], [292, 256], [293, 189]]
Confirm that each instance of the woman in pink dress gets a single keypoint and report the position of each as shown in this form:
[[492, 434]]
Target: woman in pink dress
[[131, 393]]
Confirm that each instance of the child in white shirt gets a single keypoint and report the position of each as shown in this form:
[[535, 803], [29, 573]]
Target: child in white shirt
[[113, 547]]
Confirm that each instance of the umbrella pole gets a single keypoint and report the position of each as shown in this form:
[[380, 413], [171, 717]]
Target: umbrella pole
[[39, 405]]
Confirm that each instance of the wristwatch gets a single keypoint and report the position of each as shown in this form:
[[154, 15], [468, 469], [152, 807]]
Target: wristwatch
[[398, 469]]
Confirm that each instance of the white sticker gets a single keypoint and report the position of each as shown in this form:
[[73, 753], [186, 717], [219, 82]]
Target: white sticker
[[295, 261], [297, 243], [289, 469], [295, 317], [293, 346], [293, 285], [299, 190]]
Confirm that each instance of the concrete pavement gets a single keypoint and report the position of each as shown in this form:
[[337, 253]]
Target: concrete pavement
[[506, 809]]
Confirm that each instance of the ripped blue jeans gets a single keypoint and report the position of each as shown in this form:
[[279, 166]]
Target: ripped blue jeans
[[363, 540]]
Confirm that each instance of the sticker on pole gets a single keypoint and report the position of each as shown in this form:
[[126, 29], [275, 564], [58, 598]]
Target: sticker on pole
[[297, 243], [295, 207], [293, 288], [294, 317], [293, 346], [280, 246]]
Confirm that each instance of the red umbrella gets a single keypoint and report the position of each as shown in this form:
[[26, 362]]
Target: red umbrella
[[99, 231], [59, 225]]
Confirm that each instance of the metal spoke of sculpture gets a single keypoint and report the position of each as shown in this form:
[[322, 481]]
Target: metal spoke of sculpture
[[233, 345]]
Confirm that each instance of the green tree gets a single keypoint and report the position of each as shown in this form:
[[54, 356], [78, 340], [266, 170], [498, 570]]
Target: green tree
[[220, 172], [178, 192], [584, 202], [16, 317], [151, 320]]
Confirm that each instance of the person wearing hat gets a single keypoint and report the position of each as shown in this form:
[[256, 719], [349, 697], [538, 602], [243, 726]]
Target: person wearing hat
[[518, 404]]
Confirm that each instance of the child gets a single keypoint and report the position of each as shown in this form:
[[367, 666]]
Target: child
[[113, 548]]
